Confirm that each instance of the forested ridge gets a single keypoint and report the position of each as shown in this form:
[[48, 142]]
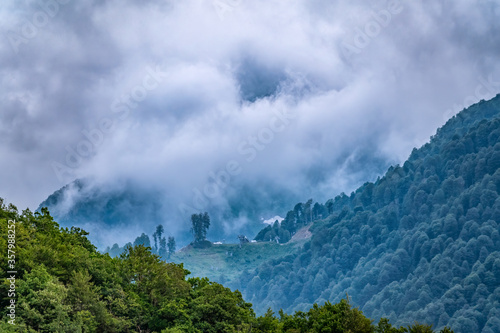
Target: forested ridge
[[64, 285], [421, 243]]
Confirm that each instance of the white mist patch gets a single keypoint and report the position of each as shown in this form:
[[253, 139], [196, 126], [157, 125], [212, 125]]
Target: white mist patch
[[272, 220], [70, 195], [102, 236]]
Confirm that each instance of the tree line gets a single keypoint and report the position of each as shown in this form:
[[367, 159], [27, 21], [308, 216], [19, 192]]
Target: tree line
[[166, 247]]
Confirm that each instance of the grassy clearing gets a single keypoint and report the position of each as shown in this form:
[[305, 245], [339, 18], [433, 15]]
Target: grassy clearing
[[224, 263]]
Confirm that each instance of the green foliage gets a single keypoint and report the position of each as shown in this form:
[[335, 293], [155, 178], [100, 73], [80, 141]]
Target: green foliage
[[385, 327], [267, 323], [218, 309], [65, 285], [330, 318], [419, 328], [340, 317]]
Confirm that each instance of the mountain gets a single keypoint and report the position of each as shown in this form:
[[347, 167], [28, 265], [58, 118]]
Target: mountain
[[422, 242], [118, 210], [118, 213]]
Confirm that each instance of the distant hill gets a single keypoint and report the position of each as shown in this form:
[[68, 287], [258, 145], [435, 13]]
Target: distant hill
[[119, 213], [103, 211], [421, 243]]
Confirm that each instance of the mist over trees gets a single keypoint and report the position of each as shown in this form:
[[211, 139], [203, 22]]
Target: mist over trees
[[160, 245], [421, 243], [166, 246]]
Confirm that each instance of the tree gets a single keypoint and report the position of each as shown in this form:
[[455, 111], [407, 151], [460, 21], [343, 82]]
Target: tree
[[160, 230], [419, 328], [308, 211], [206, 224], [299, 212], [200, 224], [268, 322], [289, 222], [218, 309], [68, 286], [155, 237], [39, 287], [329, 206], [115, 250], [163, 247], [171, 246], [317, 211], [263, 234], [143, 240], [385, 327], [340, 317]]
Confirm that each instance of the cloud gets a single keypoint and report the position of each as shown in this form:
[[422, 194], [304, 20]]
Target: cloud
[[365, 83]]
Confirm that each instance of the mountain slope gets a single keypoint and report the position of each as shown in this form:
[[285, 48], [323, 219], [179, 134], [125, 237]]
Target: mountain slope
[[118, 213], [224, 263], [423, 242]]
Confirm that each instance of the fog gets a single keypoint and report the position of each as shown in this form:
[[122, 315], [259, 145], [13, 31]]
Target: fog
[[197, 101]]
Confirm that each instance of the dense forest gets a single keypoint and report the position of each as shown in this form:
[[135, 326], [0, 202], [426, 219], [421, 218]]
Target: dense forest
[[422, 242], [64, 285]]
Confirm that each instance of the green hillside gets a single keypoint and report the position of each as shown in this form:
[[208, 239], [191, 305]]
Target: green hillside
[[224, 263], [422, 242]]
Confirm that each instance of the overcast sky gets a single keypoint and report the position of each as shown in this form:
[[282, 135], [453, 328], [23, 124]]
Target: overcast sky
[[302, 93]]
